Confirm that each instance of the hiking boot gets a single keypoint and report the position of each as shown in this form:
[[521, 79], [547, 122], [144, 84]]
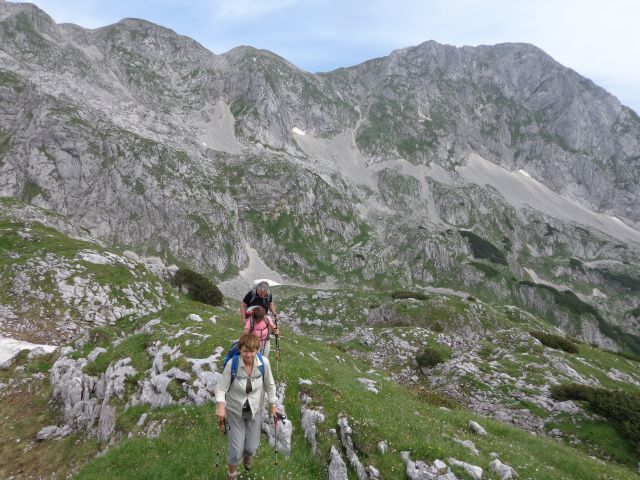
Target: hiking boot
[[232, 475], [248, 461]]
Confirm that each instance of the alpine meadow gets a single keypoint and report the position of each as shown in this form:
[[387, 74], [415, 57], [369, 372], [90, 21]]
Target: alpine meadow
[[451, 236]]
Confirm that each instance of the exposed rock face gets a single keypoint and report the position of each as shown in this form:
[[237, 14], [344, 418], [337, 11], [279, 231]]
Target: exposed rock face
[[337, 467], [86, 399], [145, 138]]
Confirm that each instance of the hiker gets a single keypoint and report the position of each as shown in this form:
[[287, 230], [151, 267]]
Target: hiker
[[261, 297], [241, 401], [258, 323]]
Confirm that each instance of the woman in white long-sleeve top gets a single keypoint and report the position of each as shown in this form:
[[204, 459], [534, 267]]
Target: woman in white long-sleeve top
[[241, 401]]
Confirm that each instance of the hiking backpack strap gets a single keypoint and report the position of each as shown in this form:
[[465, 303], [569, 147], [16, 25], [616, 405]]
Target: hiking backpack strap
[[234, 368], [254, 295], [261, 367]]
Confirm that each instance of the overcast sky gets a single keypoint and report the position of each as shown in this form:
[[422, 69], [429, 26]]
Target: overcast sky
[[596, 38]]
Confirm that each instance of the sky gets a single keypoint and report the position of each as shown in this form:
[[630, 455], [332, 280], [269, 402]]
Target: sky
[[596, 38]]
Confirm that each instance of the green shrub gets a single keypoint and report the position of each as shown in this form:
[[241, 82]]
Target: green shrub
[[200, 288], [565, 298], [407, 294], [555, 341], [482, 248], [488, 271], [620, 407], [623, 279], [437, 327], [431, 356], [576, 264], [623, 354], [438, 399], [570, 391]]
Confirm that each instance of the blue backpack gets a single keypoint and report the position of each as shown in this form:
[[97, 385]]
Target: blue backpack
[[233, 354]]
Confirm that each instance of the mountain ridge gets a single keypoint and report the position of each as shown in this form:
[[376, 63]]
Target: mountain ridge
[[367, 175]]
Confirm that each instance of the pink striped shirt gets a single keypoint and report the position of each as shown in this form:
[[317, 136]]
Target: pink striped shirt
[[260, 328]]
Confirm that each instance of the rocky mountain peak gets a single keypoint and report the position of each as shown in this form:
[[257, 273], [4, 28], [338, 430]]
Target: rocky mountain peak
[[408, 170]]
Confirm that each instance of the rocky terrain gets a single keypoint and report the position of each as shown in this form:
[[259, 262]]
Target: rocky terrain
[[451, 235], [491, 170], [145, 377]]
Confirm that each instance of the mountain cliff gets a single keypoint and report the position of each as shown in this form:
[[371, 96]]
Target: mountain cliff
[[492, 171]]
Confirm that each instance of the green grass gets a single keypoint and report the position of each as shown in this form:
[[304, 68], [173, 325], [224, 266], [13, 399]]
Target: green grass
[[406, 419], [599, 438], [187, 445], [620, 407], [23, 412]]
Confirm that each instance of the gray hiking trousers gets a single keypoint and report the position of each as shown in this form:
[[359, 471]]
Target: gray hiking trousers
[[243, 436], [265, 349]]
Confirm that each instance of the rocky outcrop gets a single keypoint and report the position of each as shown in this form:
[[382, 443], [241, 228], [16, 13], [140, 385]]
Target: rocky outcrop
[[310, 418], [284, 427], [345, 438], [86, 400]]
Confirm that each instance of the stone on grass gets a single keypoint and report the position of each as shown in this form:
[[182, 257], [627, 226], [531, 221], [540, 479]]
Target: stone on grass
[[475, 426], [337, 467], [504, 471]]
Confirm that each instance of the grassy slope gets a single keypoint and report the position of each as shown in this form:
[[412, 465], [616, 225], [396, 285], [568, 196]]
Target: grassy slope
[[187, 444], [186, 447]]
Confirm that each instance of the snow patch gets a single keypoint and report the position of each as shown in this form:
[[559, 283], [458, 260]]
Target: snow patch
[[298, 131], [9, 347], [257, 269]]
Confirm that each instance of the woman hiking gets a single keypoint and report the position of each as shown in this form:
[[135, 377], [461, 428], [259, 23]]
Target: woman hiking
[[258, 323], [241, 401]]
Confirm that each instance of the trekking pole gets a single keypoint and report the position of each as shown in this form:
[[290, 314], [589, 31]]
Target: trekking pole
[[275, 439], [277, 352], [220, 427], [277, 416]]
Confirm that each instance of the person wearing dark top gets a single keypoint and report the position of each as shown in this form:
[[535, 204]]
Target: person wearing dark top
[[258, 297]]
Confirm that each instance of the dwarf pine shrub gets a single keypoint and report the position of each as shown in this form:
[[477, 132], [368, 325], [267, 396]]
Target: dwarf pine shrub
[[200, 288], [399, 294], [555, 341], [429, 357], [620, 407]]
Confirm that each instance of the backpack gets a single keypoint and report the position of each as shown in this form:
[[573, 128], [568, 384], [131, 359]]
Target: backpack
[[252, 322], [233, 354], [255, 296]]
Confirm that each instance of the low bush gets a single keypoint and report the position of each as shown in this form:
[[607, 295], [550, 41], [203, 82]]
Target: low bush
[[200, 288], [407, 294], [482, 248], [555, 341], [620, 407], [429, 357], [488, 271], [438, 399]]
